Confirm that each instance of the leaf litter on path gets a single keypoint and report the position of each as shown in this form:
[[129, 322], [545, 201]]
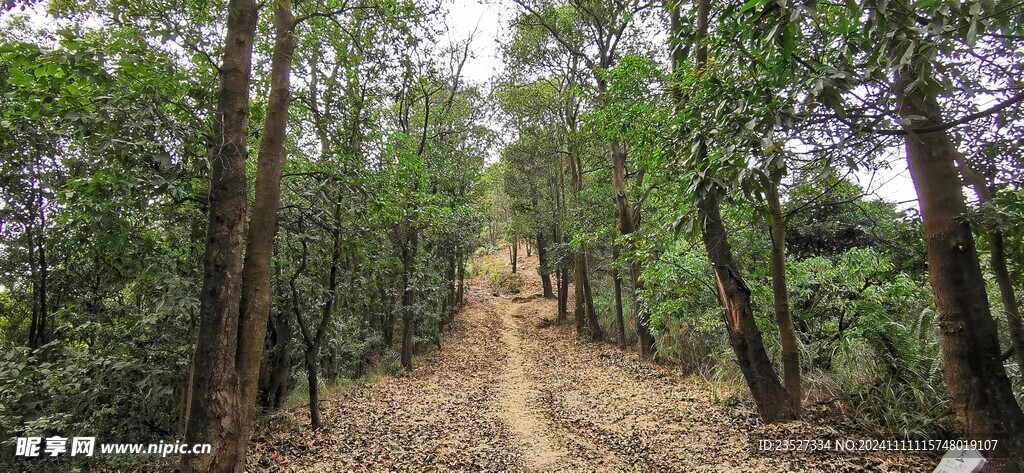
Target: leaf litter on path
[[509, 391]]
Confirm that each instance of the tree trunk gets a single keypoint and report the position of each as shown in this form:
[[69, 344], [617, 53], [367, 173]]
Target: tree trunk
[[979, 389], [461, 292], [255, 305], [515, 255], [544, 267], [387, 321], [214, 417], [640, 322], [451, 292], [314, 387], [627, 225], [997, 259], [563, 294], [772, 400], [33, 327], [787, 334], [275, 383], [38, 331], [593, 326], [580, 308], [408, 331], [408, 300], [620, 323]]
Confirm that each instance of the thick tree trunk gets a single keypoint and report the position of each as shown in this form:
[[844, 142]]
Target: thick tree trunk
[[978, 387], [773, 402], [620, 323], [215, 418], [787, 334], [255, 305]]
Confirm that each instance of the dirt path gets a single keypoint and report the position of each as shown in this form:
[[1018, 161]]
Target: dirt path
[[505, 394], [518, 405]]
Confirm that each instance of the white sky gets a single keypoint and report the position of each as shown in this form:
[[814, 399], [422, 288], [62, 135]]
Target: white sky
[[486, 22]]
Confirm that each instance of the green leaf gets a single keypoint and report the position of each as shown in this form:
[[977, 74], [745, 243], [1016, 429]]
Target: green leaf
[[753, 4], [925, 4]]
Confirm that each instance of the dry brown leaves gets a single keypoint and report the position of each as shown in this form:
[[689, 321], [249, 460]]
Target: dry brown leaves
[[506, 394]]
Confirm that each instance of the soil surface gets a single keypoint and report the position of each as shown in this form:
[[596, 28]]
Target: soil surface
[[511, 392]]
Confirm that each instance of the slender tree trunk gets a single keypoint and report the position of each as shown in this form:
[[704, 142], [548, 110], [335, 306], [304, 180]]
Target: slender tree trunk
[[584, 299], [313, 340], [978, 387], [772, 400], [563, 295], [787, 334], [408, 331], [33, 328], [593, 325], [215, 417], [255, 305], [580, 308], [408, 301], [515, 254], [620, 323], [43, 332], [461, 293], [387, 319], [628, 225], [997, 259], [544, 267], [275, 384], [451, 294], [314, 386], [38, 331]]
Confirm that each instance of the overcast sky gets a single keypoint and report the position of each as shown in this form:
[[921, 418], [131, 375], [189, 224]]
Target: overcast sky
[[488, 21]]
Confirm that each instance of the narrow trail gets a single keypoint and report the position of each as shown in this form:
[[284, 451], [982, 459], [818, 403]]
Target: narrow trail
[[518, 405], [507, 393]]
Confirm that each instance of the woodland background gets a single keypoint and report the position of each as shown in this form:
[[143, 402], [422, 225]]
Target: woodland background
[[663, 159]]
